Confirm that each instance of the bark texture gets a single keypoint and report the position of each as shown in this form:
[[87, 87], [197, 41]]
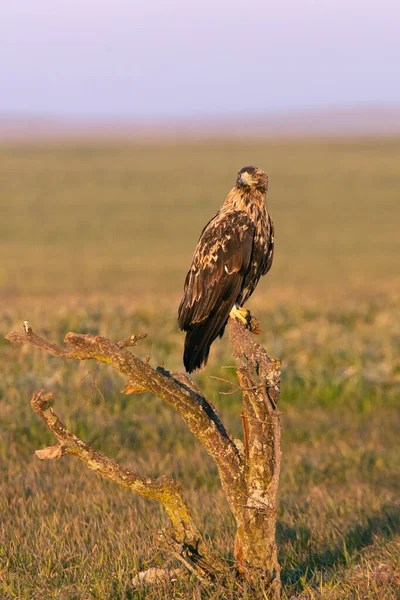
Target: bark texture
[[249, 474], [259, 379]]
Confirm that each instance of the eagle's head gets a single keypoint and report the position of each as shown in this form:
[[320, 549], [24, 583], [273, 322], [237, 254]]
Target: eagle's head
[[252, 177]]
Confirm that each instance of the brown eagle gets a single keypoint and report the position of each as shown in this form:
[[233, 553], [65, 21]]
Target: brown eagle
[[235, 248]]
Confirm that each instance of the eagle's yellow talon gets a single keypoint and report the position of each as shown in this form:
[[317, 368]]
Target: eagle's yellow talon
[[244, 316], [240, 314]]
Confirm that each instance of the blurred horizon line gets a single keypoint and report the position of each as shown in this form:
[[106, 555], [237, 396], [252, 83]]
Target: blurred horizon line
[[361, 120]]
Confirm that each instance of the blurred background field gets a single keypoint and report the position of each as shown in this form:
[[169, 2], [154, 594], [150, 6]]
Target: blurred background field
[[125, 217], [97, 237]]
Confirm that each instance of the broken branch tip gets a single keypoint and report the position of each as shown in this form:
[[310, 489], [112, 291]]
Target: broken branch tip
[[50, 453]]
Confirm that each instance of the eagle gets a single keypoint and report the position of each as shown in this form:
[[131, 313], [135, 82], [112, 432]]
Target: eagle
[[235, 248]]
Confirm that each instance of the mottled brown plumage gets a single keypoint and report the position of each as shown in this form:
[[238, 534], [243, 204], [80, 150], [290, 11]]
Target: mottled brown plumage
[[235, 248]]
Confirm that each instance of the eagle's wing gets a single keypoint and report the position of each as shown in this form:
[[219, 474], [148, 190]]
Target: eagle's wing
[[261, 259], [214, 282], [269, 257]]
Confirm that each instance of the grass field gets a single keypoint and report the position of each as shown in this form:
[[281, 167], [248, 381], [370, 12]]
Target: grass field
[[126, 218], [98, 239]]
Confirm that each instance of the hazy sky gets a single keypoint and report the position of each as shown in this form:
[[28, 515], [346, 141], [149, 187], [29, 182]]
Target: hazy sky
[[157, 58]]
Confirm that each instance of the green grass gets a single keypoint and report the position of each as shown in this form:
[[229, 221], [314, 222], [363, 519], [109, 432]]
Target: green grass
[[64, 530], [71, 224]]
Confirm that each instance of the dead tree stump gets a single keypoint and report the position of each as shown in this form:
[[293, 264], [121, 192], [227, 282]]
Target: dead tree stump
[[249, 472]]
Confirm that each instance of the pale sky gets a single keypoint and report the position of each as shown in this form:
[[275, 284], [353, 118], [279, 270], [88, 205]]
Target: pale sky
[[170, 58]]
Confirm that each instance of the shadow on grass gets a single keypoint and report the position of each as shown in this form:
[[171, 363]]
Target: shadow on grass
[[385, 524]]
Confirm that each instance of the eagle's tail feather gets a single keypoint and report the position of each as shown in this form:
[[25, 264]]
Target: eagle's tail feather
[[197, 344]]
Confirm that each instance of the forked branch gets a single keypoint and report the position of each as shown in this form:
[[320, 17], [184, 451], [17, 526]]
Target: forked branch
[[249, 478], [177, 390]]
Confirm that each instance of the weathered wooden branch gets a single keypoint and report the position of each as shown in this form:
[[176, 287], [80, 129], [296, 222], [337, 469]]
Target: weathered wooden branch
[[249, 475]]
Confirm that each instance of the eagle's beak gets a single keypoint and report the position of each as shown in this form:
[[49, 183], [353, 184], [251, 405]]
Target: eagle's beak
[[245, 178]]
